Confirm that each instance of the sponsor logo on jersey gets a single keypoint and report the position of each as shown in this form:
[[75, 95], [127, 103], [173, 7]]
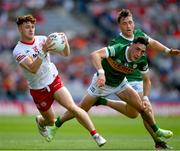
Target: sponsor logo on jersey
[[35, 55], [119, 67]]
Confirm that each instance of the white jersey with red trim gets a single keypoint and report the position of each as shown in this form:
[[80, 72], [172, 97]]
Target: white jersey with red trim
[[47, 71]]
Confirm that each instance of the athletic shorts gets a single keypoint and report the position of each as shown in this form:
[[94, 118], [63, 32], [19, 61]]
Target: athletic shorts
[[137, 85], [106, 90], [43, 98]]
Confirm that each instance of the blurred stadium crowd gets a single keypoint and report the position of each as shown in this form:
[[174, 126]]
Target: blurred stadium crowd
[[89, 25]]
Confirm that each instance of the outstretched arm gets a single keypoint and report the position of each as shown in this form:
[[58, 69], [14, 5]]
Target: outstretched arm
[[157, 46]]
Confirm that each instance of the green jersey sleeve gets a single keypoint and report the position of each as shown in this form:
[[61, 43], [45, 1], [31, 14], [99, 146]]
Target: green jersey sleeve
[[115, 50], [143, 64]]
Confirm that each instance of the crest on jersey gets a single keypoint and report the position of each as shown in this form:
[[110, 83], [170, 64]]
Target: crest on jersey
[[134, 66]]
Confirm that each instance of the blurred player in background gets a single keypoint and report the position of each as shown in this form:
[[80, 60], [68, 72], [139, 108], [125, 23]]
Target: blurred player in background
[[32, 54], [139, 81], [113, 63]]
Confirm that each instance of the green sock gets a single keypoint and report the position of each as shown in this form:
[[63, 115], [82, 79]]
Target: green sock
[[58, 122], [102, 101], [154, 127]]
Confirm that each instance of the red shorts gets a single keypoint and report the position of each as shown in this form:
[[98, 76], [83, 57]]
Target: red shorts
[[43, 98]]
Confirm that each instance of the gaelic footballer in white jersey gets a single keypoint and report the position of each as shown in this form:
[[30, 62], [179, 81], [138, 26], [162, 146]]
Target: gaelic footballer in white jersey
[[47, 71]]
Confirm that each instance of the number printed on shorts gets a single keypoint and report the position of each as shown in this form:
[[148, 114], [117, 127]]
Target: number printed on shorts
[[92, 89]]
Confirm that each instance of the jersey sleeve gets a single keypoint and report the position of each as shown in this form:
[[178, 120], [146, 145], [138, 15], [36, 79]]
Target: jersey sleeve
[[112, 42], [114, 50], [19, 56], [143, 65]]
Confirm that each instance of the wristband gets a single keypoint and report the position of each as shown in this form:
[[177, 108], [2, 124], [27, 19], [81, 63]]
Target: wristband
[[101, 71], [167, 50], [41, 55], [145, 98]]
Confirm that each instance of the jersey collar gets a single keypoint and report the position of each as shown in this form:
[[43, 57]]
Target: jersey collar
[[126, 54], [28, 43], [130, 39]]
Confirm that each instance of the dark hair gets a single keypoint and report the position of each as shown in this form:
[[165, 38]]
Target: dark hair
[[26, 18], [142, 40], [123, 14]]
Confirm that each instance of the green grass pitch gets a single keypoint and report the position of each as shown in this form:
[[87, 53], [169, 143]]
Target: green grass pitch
[[20, 133]]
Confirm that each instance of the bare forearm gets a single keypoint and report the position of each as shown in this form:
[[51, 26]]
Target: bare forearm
[[34, 67], [96, 61], [97, 56], [158, 47], [66, 51]]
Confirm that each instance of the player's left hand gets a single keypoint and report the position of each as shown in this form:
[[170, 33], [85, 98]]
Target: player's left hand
[[147, 106], [174, 52], [101, 80]]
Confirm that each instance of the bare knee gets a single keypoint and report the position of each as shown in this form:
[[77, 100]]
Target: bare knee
[[131, 112], [133, 115]]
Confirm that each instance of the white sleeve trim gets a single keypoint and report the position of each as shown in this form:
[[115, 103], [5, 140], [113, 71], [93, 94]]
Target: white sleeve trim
[[112, 51], [149, 39], [107, 52], [143, 72]]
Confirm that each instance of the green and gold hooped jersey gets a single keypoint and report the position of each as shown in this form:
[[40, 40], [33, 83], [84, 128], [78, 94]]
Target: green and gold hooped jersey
[[136, 74], [117, 66]]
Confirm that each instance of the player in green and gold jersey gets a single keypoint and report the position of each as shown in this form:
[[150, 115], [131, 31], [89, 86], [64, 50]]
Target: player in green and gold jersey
[[140, 82]]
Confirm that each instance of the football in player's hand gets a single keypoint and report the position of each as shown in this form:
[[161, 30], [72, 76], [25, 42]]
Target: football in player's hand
[[59, 41]]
